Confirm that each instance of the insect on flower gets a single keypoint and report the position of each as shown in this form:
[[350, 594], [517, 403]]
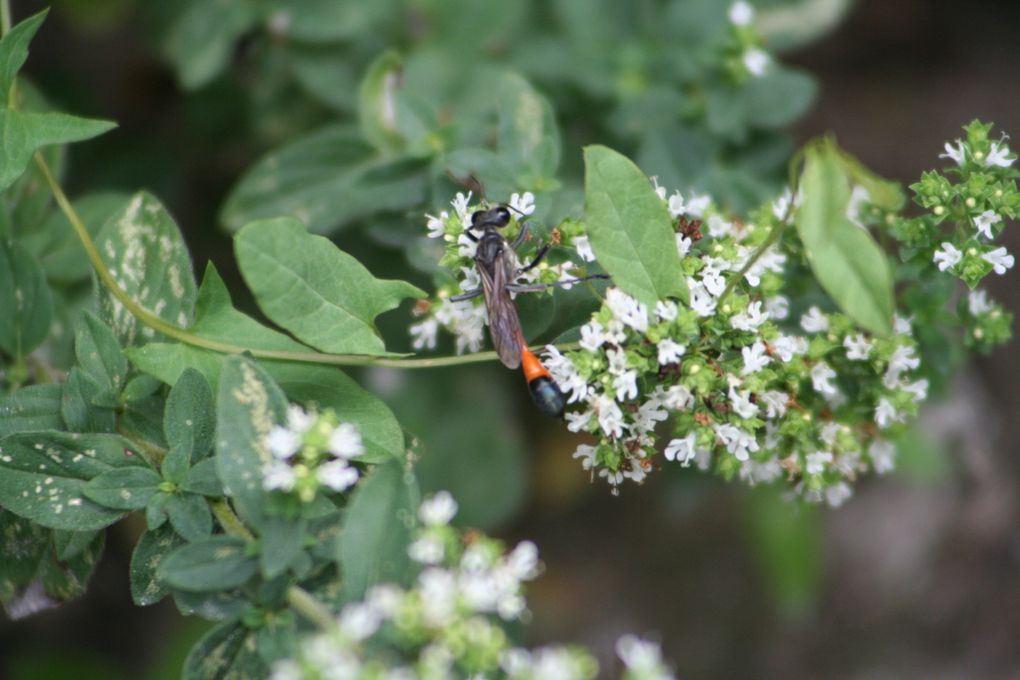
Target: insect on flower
[[498, 271]]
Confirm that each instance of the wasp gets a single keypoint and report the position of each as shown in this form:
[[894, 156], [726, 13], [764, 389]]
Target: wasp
[[498, 271]]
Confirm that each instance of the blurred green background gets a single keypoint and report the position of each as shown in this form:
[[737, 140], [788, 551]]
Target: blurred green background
[[917, 576]]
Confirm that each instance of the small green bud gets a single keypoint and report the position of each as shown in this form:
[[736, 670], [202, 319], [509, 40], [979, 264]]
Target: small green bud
[[970, 202]]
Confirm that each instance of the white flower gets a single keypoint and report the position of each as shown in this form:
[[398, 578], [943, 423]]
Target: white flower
[[282, 442], [718, 227], [956, 154], [616, 332], [755, 358], [678, 398], [1000, 259], [577, 421], [676, 205], [627, 309], [984, 223], [648, 414], [359, 621], [787, 346], [438, 590], [591, 336], [857, 347], [583, 247], [741, 403], [756, 61], [472, 280], [625, 385], [661, 191], [886, 414], [610, 416], [683, 245], [948, 256], [670, 351], [586, 453], [523, 203], [337, 475], [777, 307], [977, 303], [999, 155], [460, 206], [821, 376], [617, 360], [858, 195], [436, 225], [345, 442], [814, 463], [741, 13], [775, 403], [814, 321], [901, 324], [771, 260], [424, 334], [465, 246], [782, 204], [917, 389], [702, 301], [666, 310], [278, 475], [750, 318], [713, 281], [837, 494], [643, 659], [438, 510], [737, 441], [427, 549], [882, 454], [299, 420]]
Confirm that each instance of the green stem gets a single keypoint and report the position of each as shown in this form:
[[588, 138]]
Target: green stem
[[5, 17], [312, 609], [154, 453], [160, 325], [230, 522]]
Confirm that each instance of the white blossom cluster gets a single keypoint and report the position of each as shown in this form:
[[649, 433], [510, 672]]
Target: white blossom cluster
[[447, 625], [466, 319], [312, 450], [749, 391]]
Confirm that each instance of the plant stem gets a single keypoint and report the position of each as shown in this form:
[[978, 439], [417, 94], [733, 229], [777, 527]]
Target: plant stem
[[5, 17], [230, 522], [160, 325], [309, 607]]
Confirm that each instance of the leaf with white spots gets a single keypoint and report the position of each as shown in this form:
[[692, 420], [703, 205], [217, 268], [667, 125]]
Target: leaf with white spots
[[32, 408], [26, 305], [84, 406], [144, 251], [189, 417], [123, 488], [149, 553], [43, 474], [214, 563], [249, 403], [99, 355], [319, 293], [228, 651], [327, 180]]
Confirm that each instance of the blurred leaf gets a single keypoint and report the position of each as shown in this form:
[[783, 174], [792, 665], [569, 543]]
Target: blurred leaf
[[202, 479], [190, 516], [884, 193], [847, 262], [189, 417], [377, 530], [201, 41], [630, 228], [778, 98], [922, 458], [26, 305], [24, 133], [327, 180], [53, 467], [327, 74], [32, 408], [14, 51], [123, 488], [376, 105], [281, 544], [529, 139], [214, 563], [99, 355], [228, 651], [330, 21], [68, 544], [144, 251], [322, 295], [150, 551], [796, 24], [79, 408], [249, 403], [64, 259]]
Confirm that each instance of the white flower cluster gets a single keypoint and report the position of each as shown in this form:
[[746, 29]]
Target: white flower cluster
[[312, 450], [749, 394], [447, 624], [466, 319]]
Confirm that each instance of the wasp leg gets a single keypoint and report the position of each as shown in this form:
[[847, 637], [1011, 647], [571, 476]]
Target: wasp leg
[[538, 287], [534, 263], [467, 296], [521, 235], [467, 232]]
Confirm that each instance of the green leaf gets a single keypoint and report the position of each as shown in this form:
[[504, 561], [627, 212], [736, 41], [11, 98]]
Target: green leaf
[[14, 51], [248, 405], [78, 406], [214, 563], [22, 545], [376, 105], [144, 251], [327, 180], [26, 305], [202, 479], [176, 463], [190, 516], [215, 606], [68, 544], [155, 510], [189, 417], [99, 355], [24, 133], [63, 257], [201, 41], [630, 229], [847, 262], [32, 408], [778, 98], [319, 293], [377, 529], [43, 474], [123, 488], [150, 551], [228, 651], [528, 136], [882, 192], [328, 21], [281, 545], [36, 573]]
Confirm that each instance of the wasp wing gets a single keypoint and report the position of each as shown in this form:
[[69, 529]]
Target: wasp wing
[[504, 324]]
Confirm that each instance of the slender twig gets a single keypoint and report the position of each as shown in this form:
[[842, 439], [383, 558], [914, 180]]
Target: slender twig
[[5, 17], [311, 608], [230, 522]]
